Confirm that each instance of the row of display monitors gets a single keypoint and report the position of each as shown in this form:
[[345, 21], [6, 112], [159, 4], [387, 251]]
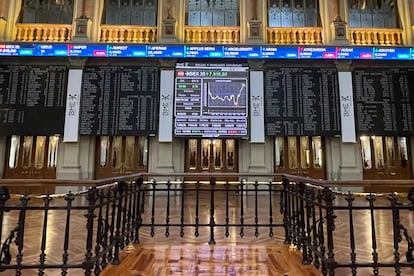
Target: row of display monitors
[[214, 51]]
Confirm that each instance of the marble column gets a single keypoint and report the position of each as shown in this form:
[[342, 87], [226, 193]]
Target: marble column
[[163, 147], [350, 161], [69, 166], [258, 152]]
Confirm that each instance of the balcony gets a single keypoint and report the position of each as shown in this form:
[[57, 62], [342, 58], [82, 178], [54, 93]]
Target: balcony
[[304, 35], [212, 34], [377, 37], [29, 32], [128, 34]]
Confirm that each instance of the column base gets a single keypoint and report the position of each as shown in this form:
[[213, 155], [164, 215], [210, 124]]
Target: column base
[[255, 32], [82, 32], [169, 30]]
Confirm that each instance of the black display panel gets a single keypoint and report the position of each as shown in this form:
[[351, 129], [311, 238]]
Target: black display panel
[[32, 99], [211, 100], [119, 100], [302, 101], [383, 102]]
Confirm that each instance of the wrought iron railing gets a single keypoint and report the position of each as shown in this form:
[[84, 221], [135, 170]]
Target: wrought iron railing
[[85, 231], [344, 232], [80, 232], [225, 201]]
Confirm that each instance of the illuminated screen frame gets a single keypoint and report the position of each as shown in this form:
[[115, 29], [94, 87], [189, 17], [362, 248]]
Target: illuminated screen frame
[[211, 100]]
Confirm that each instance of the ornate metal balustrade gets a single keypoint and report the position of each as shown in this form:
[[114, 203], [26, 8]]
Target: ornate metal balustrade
[[77, 232], [214, 207], [43, 32], [378, 37], [128, 34], [303, 36], [345, 233], [85, 231], [212, 34]]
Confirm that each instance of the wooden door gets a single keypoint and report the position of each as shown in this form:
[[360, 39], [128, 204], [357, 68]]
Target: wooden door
[[211, 156], [385, 157], [32, 157], [121, 155], [302, 155]]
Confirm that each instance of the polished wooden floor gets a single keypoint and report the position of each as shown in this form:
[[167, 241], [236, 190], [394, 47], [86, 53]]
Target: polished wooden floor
[[255, 256], [190, 255], [204, 259]]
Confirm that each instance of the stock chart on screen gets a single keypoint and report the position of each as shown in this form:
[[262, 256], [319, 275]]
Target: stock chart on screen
[[211, 100]]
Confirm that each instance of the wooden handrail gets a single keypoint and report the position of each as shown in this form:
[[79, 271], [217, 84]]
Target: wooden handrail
[[64, 182], [230, 176]]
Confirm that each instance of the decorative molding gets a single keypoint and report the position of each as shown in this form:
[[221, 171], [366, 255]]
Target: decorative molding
[[343, 65], [77, 63], [339, 32], [82, 30], [255, 31], [167, 63], [169, 30], [256, 64]]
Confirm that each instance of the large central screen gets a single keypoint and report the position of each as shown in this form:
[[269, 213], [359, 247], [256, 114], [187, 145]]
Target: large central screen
[[211, 100]]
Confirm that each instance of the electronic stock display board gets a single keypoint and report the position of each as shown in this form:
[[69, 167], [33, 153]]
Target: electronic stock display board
[[32, 99], [119, 100], [203, 51], [211, 100], [302, 101], [383, 101]]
